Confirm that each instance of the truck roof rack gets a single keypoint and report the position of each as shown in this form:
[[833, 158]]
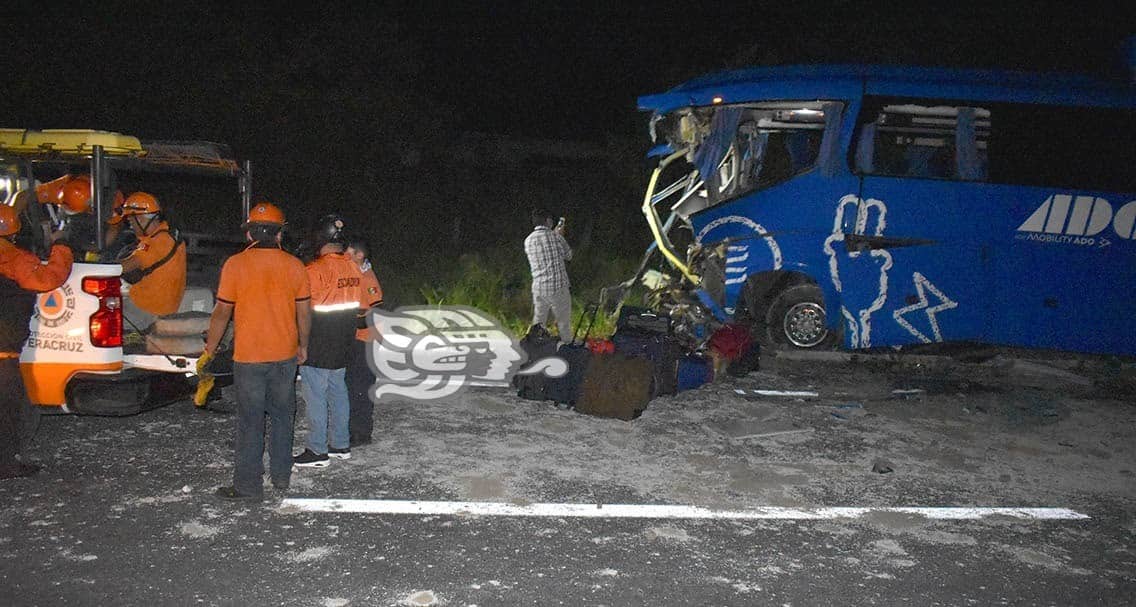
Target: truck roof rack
[[121, 151]]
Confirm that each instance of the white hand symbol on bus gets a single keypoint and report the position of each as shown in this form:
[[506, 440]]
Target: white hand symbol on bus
[[871, 219]]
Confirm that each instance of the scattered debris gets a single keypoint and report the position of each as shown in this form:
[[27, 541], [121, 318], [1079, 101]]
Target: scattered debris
[[882, 466], [421, 598], [848, 410], [908, 393]]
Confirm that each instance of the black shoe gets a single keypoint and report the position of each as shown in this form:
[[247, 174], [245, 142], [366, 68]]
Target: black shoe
[[339, 453], [17, 470], [230, 493], [360, 440], [311, 459]]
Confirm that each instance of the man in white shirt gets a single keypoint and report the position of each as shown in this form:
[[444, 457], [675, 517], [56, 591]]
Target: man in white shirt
[[548, 253]]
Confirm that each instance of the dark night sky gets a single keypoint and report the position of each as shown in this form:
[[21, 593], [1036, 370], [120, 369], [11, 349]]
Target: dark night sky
[[269, 82], [531, 71]]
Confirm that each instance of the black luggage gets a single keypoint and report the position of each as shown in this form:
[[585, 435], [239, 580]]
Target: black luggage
[[661, 349], [641, 320], [538, 343], [616, 386], [566, 388]]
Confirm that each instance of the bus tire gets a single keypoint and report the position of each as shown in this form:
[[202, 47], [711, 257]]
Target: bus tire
[[796, 320]]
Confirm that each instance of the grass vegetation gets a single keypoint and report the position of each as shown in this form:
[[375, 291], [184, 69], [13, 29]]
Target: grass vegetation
[[497, 282]]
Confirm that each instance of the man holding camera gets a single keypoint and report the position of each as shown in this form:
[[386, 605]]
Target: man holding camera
[[548, 254]]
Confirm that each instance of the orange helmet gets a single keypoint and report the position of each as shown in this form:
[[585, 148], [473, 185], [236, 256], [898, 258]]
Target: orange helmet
[[75, 196], [116, 210], [140, 203], [266, 212], [9, 220]]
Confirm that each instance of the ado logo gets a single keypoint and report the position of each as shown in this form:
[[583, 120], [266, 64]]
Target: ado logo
[[1064, 218], [55, 308]]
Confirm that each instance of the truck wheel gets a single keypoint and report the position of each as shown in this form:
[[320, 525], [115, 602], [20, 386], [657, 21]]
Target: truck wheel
[[796, 319]]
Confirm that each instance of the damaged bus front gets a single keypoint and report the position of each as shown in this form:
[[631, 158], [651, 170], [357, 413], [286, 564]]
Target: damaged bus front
[[874, 206]]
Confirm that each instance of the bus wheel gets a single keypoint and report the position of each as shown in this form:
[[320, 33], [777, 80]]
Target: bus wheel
[[796, 319]]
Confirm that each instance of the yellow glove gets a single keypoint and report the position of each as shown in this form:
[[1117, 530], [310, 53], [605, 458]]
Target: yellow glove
[[202, 362], [204, 380]]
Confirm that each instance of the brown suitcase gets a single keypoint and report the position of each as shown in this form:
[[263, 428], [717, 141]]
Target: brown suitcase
[[616, 386]]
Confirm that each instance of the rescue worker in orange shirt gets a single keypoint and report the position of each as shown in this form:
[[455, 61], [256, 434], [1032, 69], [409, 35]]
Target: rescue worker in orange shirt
[[266, 292], [156, 268], [22, 275], [337, 298], [359, 375]]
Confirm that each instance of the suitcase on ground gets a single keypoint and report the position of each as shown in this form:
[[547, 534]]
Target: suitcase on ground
[[662, 350], [616, 386], [644, 320], [694, 371], [566, 388], [538, 343]]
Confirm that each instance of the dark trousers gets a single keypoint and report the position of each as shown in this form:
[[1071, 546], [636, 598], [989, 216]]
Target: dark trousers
[[13, 403], [264, 390], [359, 380]]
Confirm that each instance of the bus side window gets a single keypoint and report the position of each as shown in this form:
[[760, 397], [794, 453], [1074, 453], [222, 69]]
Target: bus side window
[[925, 139], [778, 165]]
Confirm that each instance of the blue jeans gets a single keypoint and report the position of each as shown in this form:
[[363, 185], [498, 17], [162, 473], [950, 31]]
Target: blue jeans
[[264, 390], [325, 392]]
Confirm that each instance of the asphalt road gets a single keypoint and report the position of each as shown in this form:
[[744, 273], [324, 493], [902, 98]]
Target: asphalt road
[[123, 514]]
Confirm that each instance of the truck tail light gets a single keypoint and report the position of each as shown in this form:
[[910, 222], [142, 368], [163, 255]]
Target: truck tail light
[[106, 322]]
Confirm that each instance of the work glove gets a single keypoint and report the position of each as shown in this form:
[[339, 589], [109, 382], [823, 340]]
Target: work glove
[[205, 380]]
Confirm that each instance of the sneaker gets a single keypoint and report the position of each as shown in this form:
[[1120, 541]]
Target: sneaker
[[231, 493], [357, 441], [339, 453], [311, 459]]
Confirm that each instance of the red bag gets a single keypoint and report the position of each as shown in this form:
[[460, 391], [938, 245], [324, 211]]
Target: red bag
[[731, 341], [601, 346]]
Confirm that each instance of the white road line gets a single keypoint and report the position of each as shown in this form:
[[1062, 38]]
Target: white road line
[[363, 506]]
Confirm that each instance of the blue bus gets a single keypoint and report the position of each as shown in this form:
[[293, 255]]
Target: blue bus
[[870, 206]]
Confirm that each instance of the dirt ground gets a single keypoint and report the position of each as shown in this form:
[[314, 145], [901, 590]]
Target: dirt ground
[[1005, 431], [119, 498]]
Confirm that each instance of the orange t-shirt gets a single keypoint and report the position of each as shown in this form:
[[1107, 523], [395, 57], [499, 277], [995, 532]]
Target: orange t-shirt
[[337, 296], [160, 291], [263, 285], [373, 295]]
